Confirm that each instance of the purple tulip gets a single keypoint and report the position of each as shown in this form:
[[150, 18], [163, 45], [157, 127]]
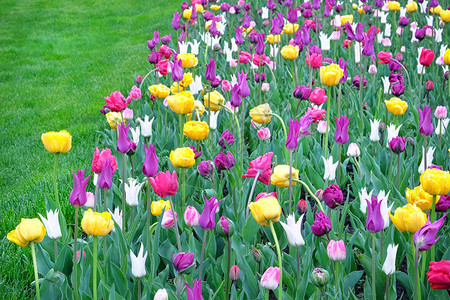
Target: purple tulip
[[124, 145], [398, 89], [182, 36], [227, 137], [359, 37], [150, 167], [104, 180], [379, 3], [343, 65], [211, 70], [166, 39], [225, 7], [224, 161], [374, 221], [207, 219], [443, 204], [420, 33], [207, 15], [183, 260], [368, 49], [78, 196], [292, 138], [394, 65], [288, 3], [238, 36], [349, 31], [357, 82], [194, 293], [327, 11], [259, 49], [425, 126], [277, 25], [332, 196], [184, 5], [316, 4], [154, 57], [213, 29], [260, 77], [224, 224], [206, 168], [397, 145], [322, 224], [425, 237], [292, 15], [306, 37], [196, 153], [298, 38], [194, 13], [302, 92], [177, 70], [246, 21], [341, 135], [403, 21], [270, 4], [235, 100], [244, 90]]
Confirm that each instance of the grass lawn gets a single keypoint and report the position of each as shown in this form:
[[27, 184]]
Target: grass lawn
[[58, 60]]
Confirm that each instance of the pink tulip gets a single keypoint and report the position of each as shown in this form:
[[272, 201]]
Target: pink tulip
[[316, 114], [265, 87], [165, 184], [271, 278], [263, 133], [127, 114], [314, 60], [235, 273], [135, 93], [245, 57], [336, 250], [191, 216], [260, 60], [322, 127], [90, 200], [226, 86], [318, 96], [233, 63], [168, 220], [440, 112]]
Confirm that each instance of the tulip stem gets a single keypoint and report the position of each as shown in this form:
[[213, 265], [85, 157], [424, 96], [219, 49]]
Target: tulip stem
[[251, 192], [202, 255], [183, 188], [124, 175], [148, 215], [96, 202], [280, 264], [432, 217], [339, 165], [325, 141], [36, 275], [425, 152], [227, 273], [298, 266], [180, 119], [55, 182], [94, 271], [387, 286], [398, 171], [75, 239], [105, 193], [416, 274], [374, 291], [420, 87], [290, 181], [139, 288], [336, 276], [311, 193], [175, 218], [55, 246]]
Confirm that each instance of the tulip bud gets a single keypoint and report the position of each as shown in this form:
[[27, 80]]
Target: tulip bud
[[440, 112], [319, 194], [225, 227], [429, 85], [206, 168], [446, 75], [382, 127], [271, 278], [302, 206], [235, 273], [336, 250], [257, 255], [320, 277], [372, 69], [79, 254], [191, 216], [183, 262], [353, 150], [161, 294], [322, 127], [265, 87], [90, 200], [138, 79]]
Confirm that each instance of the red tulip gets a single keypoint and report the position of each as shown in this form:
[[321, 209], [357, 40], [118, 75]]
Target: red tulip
[[165, 184], [439, 274], [426, 57]]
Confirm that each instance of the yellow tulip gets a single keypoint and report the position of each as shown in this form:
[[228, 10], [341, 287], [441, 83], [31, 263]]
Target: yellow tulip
[[265, 209], [187, 13], [396, 106], [355, 6], [274, 39], [261, 114], [290, 28], [216, 100], [436, 10], [57, 142], [247, 30], [214, 7], [445, 15], [361, 11], [187, 79], [29, 230], [290, 52], [199, 8], [420, 198], [411, 7], [346, 19], [113, 118], [408, 218], [394, 5], [182, 157], [175, 89], [181, 103], [189, 60], [199, 107], [95, 223], [158, 206], [159, 91], [331, 75], [447, 57], [280, 176], [435, 181], [196, 130]]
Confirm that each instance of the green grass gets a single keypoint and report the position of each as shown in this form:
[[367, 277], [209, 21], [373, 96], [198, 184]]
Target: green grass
[[59, 59]]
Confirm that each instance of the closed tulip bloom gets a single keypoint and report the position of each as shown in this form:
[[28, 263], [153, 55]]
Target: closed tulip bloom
[[150, 166], [159, 91], [181, 103], [183, 260], [182, 157], [440, 112], [420, 198], [168, 219], [443, 204], [393, 5], [374, 130], [396, 106], [314, 60], [227, 137], [206, 168], [435, 181], [57, 142], [426, 57], [196, 130], [116, 102], [216, 99], [157, 207], [165, 184], [389, 263], [425, 237], [439, 274], [425, 125], [52, 224], [235, 273], [207, 219], [263, 133], [411, 7], [138, 262], [124, 145], [271, 278], [341, 135], [95, 223], [318, 96], [132, 190], [332, 196], [321, 225], [322, 127], [261, 114], [292, 138], [445, 15], [408, 218], [194, 293], [320, 277], [336, 250], [397, 145], [265, 209], [224, 161], [353, 150], [29, 230], [161, 294], [104, 180], [189, 60], [331, 75], [374, 221], [280, 176], [113, 118], [191, 216], [290, 52], [294, 231], [78, 194], [99, 159], [225, 227], [211, 70], [303, 92]]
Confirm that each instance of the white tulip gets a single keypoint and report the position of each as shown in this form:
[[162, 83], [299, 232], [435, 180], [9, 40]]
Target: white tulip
[[294, 231], [429, 154], [146, 126], [383, 197], [117, 217], [389, 263], [444, 126], [161, 294], [135, 133], [374, 130], [132, 190], [324, 41], [392, 133], [330, 168], [138, 262], [353, 150], [363, 196], [52, 224], [196, 86]]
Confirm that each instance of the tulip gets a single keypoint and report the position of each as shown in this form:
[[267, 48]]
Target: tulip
[[97, 224], [195, 130], [389, 263], [124, 145], [320, 277], [165, 184], [332, 196], [411, 7], [225, 227], [227, 137], [52, 224], [353, 150], [224, 161], [138, 262], [331, 75], [265, 209], [443, 204], [322, 127], [168, 219], [392, 132], [29, 230], [57, 142], [408, 218], [104, 180], [194, 293], [116, 102], [330, 168], [435, 182], [157, 207], [132, 190], [78, 195], [341, 135], [439, 274], [182, 157], [191, 216], [161, 294], [99, 159], [302, 206], [117, 217], [207, 218], [263, 133], [420, 198], [374, 221], [181, 103], [215, 98], [150, 166], [182, 261], [90, 203], [271, 278], [290, 52], [336, 250], [397, 145], [426, 57], [189, 60], [425, 127], [346, 19], [314, 60], [146, 126], [440, 112], [318, 96], [294, 231], [280, 176], [303, 92], [425, 237], [261, 114], [374, 130], [235, 273], [159, 91], [396, 106]]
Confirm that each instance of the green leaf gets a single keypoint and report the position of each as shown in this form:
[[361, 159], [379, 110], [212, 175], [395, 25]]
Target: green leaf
[[250, 229], [351, 280]]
